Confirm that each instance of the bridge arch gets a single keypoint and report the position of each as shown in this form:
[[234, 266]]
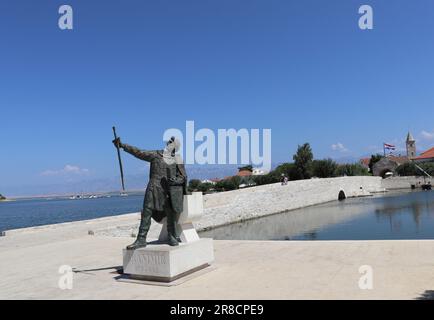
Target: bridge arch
[[342, 195], [384, 173]]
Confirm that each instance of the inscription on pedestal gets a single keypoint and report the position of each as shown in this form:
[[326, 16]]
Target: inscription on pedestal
[[152, 262], [164, 263]]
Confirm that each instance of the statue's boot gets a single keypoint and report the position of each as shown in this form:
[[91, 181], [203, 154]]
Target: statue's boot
[[139, 243], [173, 240], [143, 231]]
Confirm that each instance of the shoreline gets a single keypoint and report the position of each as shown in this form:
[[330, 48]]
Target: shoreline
[[226, 208], [67, 196], [134, 214]]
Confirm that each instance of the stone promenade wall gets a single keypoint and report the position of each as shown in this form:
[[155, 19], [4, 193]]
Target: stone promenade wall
[[243, 204], [393, 183], [239, 205]]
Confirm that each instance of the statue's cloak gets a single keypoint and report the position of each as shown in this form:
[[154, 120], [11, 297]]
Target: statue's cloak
[[167, 182]]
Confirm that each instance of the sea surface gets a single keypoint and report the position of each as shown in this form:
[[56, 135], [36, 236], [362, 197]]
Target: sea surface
[[35, 212], [403, 215]]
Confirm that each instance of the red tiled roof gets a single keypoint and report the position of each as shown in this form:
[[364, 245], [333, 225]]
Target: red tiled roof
[[365, 161], [399, 160], [244, 173], [426, 155]]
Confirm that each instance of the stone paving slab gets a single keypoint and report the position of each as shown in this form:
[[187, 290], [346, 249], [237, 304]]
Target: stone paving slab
[[242, 269]]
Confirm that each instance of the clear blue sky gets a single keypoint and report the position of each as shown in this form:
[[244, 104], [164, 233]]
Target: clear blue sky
[[302, 68]]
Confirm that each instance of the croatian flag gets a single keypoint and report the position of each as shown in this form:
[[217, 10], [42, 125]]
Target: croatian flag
[[389, 146]]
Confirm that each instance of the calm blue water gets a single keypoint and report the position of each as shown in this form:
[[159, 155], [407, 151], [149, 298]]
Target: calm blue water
[[407, 215], [35, 212]]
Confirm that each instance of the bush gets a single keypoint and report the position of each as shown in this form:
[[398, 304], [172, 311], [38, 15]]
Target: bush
[[410, 169], [324, 168], [2, 197], [194, 184], [271, 177], [288, 169], [228, 184], [205, 187], [354, 169], [428, 167]]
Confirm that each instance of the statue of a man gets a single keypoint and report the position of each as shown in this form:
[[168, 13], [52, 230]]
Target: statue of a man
[[165, 191]]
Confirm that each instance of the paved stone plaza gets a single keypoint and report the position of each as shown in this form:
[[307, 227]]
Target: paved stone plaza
[[242, 270]]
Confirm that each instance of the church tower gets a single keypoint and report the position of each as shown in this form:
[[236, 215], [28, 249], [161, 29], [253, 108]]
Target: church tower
[[411, 146]]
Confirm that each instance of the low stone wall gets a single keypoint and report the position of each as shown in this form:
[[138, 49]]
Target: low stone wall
[[245, 204], [394, 183], [238, 205], [235, 206]]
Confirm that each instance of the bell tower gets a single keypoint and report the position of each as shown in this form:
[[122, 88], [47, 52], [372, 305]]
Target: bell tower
[[411, 146]]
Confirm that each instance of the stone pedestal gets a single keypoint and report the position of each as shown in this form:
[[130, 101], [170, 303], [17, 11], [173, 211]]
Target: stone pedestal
[[164, 263], [192, 211]]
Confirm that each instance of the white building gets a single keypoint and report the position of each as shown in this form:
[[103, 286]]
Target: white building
[[258, 172]]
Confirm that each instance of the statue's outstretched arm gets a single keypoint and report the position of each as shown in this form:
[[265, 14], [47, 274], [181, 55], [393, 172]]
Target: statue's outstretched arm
[[141, 154]]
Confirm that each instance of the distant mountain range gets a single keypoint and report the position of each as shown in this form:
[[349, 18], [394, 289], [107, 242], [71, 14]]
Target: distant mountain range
[[132, 182]]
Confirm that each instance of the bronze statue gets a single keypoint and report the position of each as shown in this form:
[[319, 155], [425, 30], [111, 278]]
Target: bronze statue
[[165, 191]]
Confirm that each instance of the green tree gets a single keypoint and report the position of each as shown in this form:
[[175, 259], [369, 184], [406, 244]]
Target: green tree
[[194, 184], [2, 197], [233, 183], [303, 160], [428, 167], [247, 181], [205, 187], [228, 184], [219, 186], [408, 169], [374, 159], [353, 169], [268, 178], [288, 169], [324, 168]]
